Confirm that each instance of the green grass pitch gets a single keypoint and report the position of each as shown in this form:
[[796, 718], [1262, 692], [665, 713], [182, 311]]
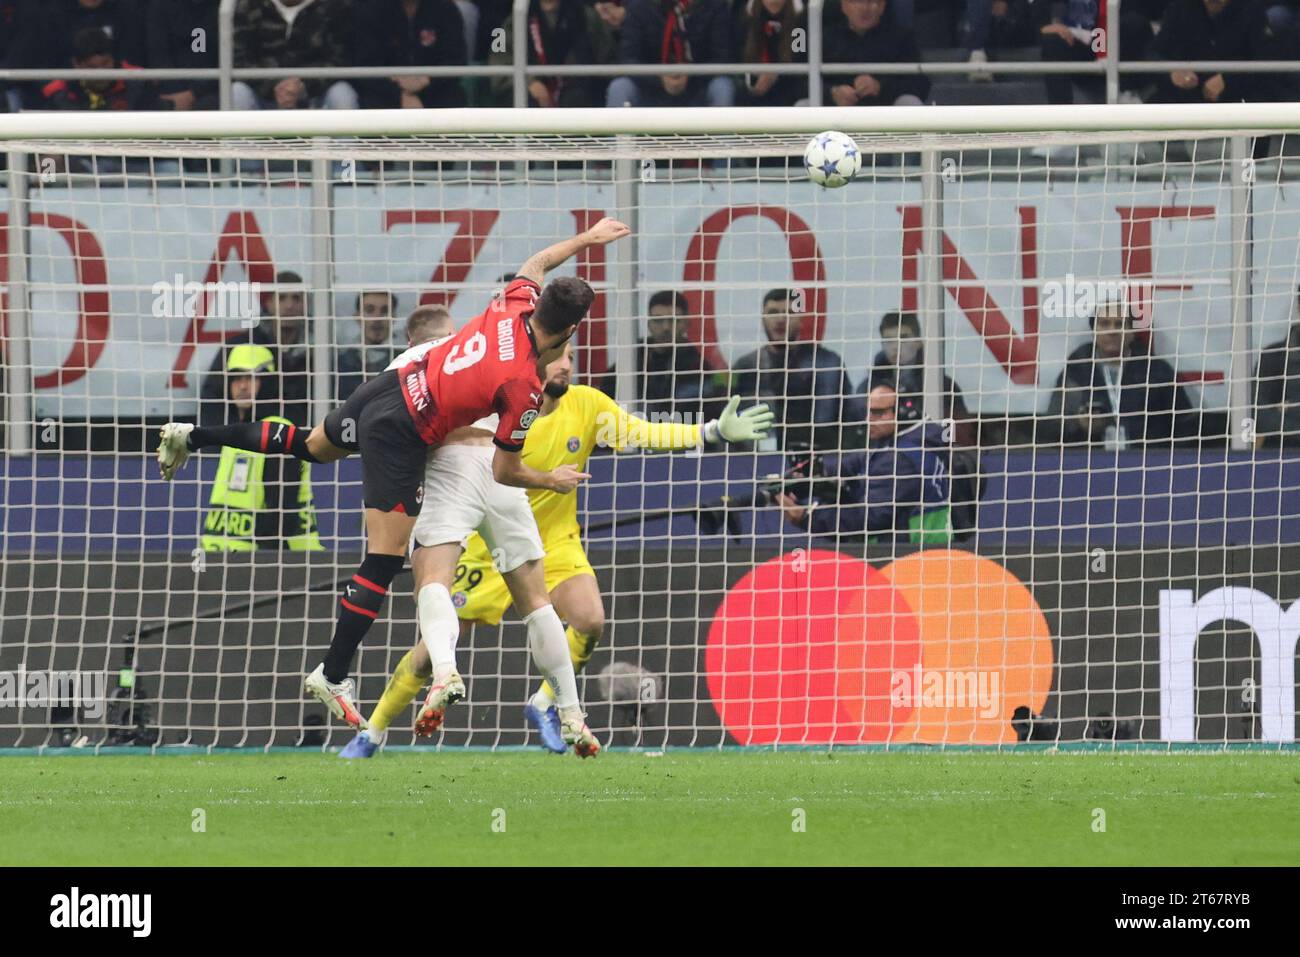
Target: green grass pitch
[[683, 807]]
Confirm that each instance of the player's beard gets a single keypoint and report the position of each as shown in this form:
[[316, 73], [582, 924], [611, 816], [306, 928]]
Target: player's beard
[[556, 390]]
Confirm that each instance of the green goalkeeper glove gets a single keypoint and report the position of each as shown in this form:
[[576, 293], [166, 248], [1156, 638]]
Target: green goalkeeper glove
[[732, 426]]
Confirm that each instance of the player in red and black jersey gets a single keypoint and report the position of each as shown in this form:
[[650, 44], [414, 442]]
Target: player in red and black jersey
[[495, 363], [492, 361]]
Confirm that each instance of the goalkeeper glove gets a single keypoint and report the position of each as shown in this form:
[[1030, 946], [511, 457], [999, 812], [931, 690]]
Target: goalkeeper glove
[[732, 426]]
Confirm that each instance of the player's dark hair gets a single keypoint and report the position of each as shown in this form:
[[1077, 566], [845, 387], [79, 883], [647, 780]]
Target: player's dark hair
[[421, 322], [392, 299], [776, 295], [92, 41], [900, 319], [670, 297], [563, 303]]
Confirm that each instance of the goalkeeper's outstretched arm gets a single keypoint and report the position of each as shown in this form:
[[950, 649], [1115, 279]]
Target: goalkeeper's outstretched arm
[[539, 264], [619, 430], [739, 425]]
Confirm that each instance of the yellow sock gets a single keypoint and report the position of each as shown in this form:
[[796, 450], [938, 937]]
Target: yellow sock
[[402, 688], [580, 650]]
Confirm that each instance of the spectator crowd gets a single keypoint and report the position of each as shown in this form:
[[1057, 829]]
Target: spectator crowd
[[894, 472], [288, 34], [1115, 391]]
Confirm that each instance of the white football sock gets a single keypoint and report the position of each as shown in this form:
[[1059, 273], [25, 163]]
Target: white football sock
[[543, 700], [550, 650], [439, 628]]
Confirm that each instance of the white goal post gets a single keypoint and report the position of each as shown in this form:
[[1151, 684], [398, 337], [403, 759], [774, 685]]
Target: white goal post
[[1032, 368], [1136, 119]]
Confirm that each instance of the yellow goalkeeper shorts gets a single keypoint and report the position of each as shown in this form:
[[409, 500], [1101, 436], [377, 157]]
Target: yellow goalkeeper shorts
[[480, 593]]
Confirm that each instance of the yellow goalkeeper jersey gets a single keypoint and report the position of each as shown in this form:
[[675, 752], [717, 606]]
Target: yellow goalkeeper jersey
[[582, 420]]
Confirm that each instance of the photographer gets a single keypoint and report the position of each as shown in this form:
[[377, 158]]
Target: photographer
[[908, 486]]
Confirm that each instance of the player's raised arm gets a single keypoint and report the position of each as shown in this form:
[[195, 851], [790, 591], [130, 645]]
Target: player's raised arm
[[539, 264]]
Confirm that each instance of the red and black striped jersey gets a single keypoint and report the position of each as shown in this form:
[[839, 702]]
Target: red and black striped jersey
[[490, 365]]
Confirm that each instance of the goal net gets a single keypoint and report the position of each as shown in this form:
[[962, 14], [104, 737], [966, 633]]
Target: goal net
[[1033, 479]]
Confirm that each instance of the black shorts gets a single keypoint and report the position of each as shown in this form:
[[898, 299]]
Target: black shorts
[[375, 422]]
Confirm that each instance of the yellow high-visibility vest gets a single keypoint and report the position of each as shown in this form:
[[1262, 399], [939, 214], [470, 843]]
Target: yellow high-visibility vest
[[239, 494]]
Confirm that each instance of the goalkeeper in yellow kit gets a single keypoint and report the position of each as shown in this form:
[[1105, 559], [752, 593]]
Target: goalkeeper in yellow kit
[[573, 422]]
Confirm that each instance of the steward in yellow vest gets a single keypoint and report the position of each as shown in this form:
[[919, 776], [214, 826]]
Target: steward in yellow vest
[[258, 499]]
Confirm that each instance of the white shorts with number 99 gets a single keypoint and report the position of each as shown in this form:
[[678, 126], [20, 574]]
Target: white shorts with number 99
[[460, 497]]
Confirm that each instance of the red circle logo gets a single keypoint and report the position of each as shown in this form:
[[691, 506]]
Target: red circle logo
[[816, 647], [799, 652]]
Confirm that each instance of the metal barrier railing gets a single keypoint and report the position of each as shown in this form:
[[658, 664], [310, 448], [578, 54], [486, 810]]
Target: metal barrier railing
[[521, 71]]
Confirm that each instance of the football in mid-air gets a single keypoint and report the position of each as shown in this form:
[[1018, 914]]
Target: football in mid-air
[[832, 159]]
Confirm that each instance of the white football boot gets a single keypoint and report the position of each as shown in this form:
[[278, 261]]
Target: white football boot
[[573, 727], [441, 696], [339, 698]]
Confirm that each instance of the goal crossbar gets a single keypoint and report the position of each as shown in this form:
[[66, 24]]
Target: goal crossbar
[[511, 134], [1079, 118]]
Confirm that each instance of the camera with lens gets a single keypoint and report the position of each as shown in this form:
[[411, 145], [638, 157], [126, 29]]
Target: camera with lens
[[805, 478]]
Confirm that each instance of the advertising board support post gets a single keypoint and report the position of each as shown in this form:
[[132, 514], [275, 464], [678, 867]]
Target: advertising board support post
[[622, 296], [321, 297], [18, 371], [1240, 235], [226, 65], [931, 292]]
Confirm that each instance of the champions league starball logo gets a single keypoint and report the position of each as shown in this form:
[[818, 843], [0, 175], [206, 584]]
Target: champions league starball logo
[[574, 444]]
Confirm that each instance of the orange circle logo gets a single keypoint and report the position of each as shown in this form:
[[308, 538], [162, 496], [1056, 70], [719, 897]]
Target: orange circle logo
[[818, 647]]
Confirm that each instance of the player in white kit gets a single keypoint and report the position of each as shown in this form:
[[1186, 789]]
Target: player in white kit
[[469, 499]]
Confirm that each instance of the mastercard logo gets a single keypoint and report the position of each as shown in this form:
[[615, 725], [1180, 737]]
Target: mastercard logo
[[816, 647]]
